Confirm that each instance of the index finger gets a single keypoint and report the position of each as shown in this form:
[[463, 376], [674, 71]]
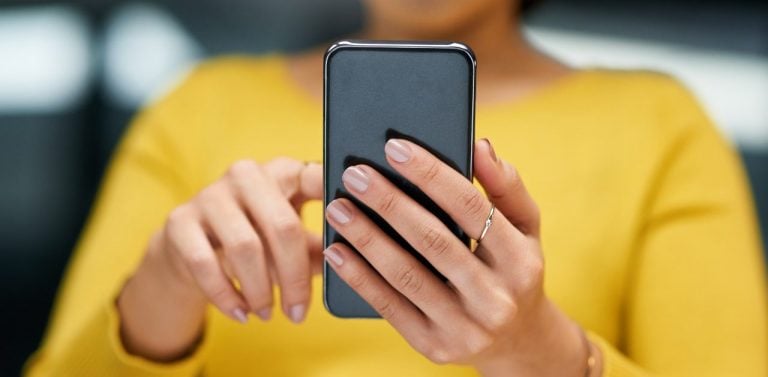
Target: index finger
[[299, 181]]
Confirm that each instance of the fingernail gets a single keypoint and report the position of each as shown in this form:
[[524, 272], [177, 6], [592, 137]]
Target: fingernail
[[265, 314], [490, 149], [297, 313], [240, 315], [355, 178], [338, 212], [333, 256], [397, 150]]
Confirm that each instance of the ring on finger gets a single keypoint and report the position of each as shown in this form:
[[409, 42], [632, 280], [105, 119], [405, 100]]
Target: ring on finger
[[488, 222]]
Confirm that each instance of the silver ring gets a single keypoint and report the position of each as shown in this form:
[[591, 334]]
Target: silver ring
[[488, 222]]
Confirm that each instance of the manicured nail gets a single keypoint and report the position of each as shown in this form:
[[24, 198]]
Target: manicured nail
[[355, 178], [490, 148], [240, 315], [333, 256], [338, 212], [397, 150], [297, 313], [265, 314]]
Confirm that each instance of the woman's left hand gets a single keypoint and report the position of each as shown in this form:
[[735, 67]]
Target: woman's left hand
[[493, 314]]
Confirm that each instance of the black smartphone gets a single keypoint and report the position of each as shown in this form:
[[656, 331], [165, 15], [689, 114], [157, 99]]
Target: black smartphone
[[373, 91]]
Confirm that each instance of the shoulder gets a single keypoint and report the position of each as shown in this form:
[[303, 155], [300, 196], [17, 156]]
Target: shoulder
[[222, 90], [648, 91], [231, 74], [647, 102]]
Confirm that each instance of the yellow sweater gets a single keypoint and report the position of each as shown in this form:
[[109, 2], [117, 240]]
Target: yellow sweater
[[648, 229]]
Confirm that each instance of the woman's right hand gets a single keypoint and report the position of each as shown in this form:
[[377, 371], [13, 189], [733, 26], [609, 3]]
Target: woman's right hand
[[245, 227]]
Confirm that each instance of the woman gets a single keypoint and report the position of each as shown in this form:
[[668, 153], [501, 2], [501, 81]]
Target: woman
[[647, 229]]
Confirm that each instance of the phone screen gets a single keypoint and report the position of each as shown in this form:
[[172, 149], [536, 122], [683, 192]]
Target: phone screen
[[374, 91]]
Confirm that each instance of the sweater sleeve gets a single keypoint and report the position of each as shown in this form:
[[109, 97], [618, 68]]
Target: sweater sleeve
[[147, 177], [696, 303]]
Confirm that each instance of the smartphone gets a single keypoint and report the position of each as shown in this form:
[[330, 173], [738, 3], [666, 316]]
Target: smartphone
[[373, 91]]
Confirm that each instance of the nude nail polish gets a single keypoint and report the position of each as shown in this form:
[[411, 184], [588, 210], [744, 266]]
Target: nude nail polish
[[297, 313], [333, 256], [265, 314], [397, 150], [356, 178], [338, 212], [240, 315]]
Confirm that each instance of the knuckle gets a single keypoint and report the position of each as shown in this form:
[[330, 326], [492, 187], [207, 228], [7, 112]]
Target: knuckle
[[298, 284], [383, 306], [242, 168], [198, 263], [211, 193], [533, 277], [430, 172], [477, 342], [438, 355], [408, 280], [290, 164], [472, 203], [178, 214], [388, 202], [503, 313], [282, 161], [366, 240], [288, 227], [358, 281], [422, 343], [244, 248], [219, 293], [433, 241]]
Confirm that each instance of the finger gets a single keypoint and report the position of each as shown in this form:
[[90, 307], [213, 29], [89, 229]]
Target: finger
[[189, 241], [315, 246], [400, 269], [477, 284], [505, 188], [298, 181], [389, 303], [425, 232], [286, 172], [281, 226], [241, 247], [312, 181], [456, 195]]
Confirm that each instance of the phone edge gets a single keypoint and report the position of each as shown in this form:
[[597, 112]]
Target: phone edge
[[344, 44]]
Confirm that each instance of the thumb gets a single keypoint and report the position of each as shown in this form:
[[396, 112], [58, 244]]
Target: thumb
[[315, 246], [505, 189], [311, 181]]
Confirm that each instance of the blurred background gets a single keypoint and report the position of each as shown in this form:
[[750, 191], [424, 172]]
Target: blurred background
[[73, 73]]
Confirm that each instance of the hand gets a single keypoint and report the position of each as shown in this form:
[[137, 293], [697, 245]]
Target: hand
[[245, 227], [493, 313]]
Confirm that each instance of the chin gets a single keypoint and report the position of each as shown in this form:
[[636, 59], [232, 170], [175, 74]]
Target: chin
[[429, 19]]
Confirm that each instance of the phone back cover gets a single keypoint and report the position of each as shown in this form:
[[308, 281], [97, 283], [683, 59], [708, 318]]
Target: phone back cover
[[424, 94]]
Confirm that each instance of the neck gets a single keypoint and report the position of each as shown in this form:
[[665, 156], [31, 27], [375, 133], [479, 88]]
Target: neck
[[508, 67], [496, 39]]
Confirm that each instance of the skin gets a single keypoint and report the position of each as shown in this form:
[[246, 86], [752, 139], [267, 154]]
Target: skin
[[493, 315]]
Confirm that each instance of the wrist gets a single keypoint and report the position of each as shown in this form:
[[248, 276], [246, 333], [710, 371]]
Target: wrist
[[549, 344], [161, 315]]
